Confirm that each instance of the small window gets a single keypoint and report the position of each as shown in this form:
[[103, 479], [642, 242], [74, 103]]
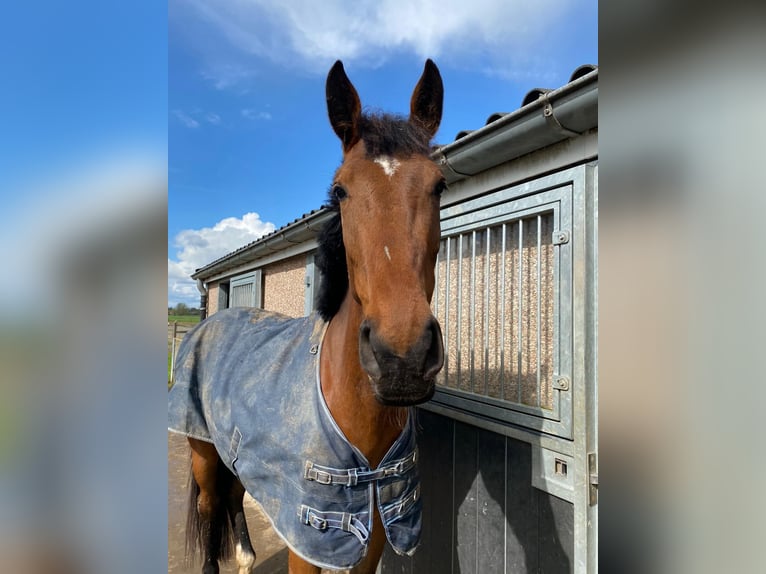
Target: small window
[[245, 290]]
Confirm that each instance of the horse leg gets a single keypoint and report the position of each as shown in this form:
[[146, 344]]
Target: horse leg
[[297, 565], [375, 547], [207, 515], [244, 550]]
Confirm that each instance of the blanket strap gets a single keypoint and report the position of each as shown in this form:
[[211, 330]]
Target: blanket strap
[[354, 476], [322, 520], [400, 507]]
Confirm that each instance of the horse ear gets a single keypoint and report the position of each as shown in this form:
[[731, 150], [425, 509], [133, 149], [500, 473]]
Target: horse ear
[[427, 100], [343, 106]]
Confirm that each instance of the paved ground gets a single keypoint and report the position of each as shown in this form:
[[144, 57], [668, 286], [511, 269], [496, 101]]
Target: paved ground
[[270, 551]]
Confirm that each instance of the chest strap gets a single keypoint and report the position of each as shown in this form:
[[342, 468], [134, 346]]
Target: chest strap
[[342, 520], [354, 476], [400, 507]]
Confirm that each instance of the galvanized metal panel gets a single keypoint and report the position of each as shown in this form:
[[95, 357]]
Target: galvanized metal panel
[[503, 282]]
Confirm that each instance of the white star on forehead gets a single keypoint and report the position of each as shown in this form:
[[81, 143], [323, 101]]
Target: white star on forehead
[[389, 164]]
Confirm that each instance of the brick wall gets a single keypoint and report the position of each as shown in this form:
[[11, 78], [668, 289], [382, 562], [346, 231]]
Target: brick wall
[[284, 288], [212, 298]]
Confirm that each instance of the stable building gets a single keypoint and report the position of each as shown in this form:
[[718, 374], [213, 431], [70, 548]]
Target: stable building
[[508, 446]]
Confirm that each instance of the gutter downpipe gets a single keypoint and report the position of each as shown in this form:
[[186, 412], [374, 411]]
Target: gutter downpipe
[[202, 299], [555, 116]]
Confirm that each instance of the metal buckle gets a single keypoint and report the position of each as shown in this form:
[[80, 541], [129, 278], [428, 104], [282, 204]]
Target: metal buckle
[[322, 477], [317, 522]]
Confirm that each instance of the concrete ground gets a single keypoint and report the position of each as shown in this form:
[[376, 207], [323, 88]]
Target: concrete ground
[[271, 552]]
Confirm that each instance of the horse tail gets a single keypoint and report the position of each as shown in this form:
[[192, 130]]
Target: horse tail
[[193, 520], [220, 527]]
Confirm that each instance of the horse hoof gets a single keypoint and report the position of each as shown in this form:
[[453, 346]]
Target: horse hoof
[[245, 560]]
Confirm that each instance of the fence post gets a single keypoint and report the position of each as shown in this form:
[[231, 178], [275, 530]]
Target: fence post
[[173, 351]]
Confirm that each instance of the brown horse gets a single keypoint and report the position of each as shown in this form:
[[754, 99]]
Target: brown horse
[[382, 348]]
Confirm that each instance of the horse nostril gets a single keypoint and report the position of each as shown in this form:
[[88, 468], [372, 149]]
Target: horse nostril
[[366, 353], [435, 353]]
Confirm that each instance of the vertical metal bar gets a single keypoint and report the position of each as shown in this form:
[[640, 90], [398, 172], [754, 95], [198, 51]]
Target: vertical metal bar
[[502, 316], [446, 313], [539, 298], [459, 307], [486, 314], [521, 304], [473, 304]]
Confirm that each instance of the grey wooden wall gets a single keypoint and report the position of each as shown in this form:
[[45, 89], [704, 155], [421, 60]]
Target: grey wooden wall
[[481, 515]]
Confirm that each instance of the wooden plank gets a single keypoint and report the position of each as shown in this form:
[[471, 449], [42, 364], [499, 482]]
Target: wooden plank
[[465, 497], [490, 533], [521, 541], [556, 534], [436, 474], [392, 563]]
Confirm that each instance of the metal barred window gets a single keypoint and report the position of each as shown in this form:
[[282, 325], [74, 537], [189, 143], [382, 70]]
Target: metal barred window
[[245, 290], [497, 294], [503, 298]]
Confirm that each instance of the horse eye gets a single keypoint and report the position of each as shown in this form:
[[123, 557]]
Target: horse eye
[[440, 188], [339, 193]]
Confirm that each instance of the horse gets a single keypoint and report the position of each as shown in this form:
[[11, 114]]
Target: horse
[[376, 350]]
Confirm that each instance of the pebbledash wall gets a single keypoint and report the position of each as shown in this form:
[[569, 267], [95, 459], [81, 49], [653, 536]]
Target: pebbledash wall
[[508, 445]]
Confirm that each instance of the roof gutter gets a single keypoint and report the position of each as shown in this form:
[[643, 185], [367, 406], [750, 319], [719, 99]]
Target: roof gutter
[[554, 116], [566, 112], [292, 234]]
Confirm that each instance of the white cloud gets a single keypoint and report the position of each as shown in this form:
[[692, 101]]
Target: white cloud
[[313, 34], [213, 118], [198, 247], [251, 114], [186, 119]]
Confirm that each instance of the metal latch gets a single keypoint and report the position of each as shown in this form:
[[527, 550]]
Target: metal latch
[[560, 236], [592, 478]]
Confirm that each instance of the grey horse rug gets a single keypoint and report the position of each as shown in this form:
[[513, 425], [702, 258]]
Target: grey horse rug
[[247, 380]]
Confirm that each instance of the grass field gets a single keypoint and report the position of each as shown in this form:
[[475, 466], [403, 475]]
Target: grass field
[[183, 318]]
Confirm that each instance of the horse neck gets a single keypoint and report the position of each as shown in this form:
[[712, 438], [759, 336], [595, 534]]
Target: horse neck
[[368, 425]]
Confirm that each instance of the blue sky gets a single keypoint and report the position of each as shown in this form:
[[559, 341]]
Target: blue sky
[[249, 145]]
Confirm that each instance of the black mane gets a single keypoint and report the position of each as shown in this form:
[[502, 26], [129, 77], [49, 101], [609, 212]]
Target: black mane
[[382, 134]]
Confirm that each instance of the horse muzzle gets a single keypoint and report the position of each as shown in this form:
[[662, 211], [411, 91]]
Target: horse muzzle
[[402, 380]]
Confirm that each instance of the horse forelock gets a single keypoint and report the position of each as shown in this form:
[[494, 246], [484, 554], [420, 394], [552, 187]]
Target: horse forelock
[[383, 135], [392, 135]]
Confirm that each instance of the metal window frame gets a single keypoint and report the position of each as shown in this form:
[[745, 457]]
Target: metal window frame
[[564, 194], [312, 284], [255, 278]]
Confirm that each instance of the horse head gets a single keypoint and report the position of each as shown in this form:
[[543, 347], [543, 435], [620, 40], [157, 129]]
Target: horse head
[[387, 193]]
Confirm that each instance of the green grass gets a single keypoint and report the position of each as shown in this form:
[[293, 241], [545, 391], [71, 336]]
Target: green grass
[[183, 318]]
